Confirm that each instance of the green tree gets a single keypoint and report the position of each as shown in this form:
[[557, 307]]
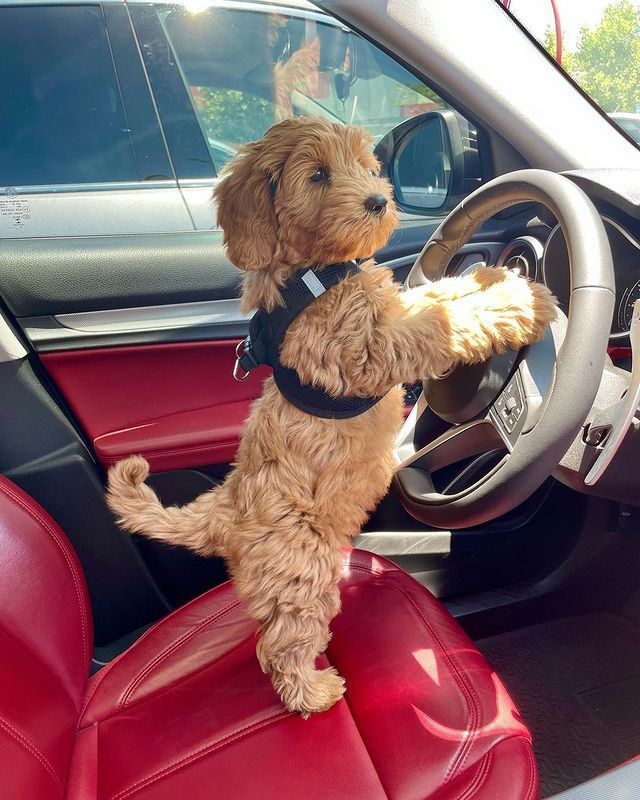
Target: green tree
[[607, 60], [549, 44], [232, 116]]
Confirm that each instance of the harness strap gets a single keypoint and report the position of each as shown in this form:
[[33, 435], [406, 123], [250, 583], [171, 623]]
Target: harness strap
[[267, 330]]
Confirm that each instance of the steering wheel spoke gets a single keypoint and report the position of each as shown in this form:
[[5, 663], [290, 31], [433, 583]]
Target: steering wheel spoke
[[455, 459], [458, 444]]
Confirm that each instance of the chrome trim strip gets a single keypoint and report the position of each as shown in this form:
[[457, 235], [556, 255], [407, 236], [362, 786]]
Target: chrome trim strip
[[11, 348], [405, 543], [152, 318], [146, 324], [58, 188], [198, 183], [298, 8], [165, 317], [47, 336]]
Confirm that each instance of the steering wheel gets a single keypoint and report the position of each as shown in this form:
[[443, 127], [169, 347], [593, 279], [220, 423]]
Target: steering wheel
[[495, 431]]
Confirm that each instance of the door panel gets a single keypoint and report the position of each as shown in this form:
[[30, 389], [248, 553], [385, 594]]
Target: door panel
[[177, 404], [42, 277]]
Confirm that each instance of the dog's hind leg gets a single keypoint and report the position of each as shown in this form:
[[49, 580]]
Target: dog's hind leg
[[294, 595], [290, 643], [197, 525]]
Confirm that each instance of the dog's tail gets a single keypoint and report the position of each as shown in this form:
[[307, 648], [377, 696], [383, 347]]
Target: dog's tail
[[139, 510]]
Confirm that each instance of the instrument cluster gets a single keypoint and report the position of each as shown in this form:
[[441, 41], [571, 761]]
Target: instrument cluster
[[625, 250]]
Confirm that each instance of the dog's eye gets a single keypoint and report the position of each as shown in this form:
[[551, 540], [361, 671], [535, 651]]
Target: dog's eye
[[319, 175], [373, 172]]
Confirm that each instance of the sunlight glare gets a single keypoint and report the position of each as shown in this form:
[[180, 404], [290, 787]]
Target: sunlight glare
[[427, 660], [505, 722]]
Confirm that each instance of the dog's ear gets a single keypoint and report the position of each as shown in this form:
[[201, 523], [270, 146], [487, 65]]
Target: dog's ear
[[244, 197], [246, 190]]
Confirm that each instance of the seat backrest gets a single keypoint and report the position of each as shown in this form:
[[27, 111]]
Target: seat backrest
[[45, 648]]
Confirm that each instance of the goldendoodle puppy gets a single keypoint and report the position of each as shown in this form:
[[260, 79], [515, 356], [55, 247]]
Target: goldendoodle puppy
[[308, 195]]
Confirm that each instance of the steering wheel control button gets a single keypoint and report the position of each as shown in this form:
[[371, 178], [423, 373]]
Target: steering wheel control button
[[510, 405]]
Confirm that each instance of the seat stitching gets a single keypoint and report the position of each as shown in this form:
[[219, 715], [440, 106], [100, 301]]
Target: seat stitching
[[203, 751], [101, 676], [104, 672], [479, 778], [466, 690], [34, 514], [533, 770], [185, 677], [180, 680], [530, 762], [477, 782], [170, 649], [368, 570], [31, 748], [357, 727]]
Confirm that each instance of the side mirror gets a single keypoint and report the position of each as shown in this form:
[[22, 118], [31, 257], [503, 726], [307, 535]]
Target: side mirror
[[431, 160]]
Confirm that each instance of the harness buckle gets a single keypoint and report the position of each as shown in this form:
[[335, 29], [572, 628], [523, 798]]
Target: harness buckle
[[245, 361]]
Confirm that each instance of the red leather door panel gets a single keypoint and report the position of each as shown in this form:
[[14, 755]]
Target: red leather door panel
[[176, 403]]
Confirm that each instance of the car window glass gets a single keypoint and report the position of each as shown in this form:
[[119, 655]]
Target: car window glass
[[249, 68], [61, 114]]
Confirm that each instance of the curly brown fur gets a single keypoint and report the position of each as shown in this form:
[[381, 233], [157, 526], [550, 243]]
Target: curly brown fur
[[303, 486]]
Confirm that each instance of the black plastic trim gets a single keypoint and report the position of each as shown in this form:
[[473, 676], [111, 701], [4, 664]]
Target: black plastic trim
[[150, 153], [43, 453]]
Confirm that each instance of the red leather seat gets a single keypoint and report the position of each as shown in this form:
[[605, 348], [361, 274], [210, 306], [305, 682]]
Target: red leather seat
[[186, 712]]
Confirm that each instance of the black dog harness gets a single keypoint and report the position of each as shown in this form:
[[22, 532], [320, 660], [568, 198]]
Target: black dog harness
[[266, 334]]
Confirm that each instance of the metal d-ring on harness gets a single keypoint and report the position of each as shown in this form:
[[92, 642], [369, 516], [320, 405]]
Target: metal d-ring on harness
[[266, 334]]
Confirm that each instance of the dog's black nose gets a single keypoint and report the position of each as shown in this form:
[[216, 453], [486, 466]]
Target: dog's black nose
[[376, 203]]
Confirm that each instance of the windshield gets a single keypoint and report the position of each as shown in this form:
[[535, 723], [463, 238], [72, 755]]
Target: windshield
[[597, 43]]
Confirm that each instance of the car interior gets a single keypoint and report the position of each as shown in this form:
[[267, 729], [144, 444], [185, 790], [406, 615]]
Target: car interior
[[492, 599]]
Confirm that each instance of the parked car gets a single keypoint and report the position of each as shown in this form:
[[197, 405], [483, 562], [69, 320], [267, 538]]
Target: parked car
[[490, 631], [630, 123]]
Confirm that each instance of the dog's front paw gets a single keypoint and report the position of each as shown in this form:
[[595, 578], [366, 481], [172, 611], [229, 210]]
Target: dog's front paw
[[524, 307], [544, 306], [535, 309], [316, 691]]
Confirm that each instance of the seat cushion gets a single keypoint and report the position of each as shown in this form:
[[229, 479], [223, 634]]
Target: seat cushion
[[186, 711]]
